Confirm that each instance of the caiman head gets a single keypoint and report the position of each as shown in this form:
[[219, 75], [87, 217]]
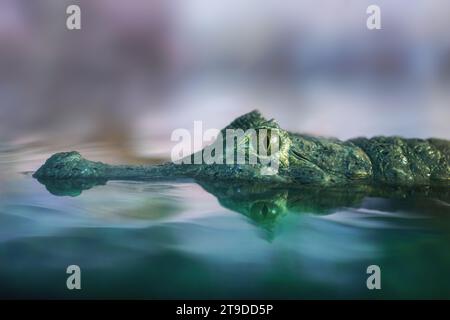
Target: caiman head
[[251, 148], [290, 157]]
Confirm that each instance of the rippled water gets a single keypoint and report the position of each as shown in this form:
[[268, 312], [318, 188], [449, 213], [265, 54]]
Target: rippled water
[[182, 240]]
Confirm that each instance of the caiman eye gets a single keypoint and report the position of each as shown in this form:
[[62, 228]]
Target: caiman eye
[[266, 143], [263, 209], [269, 140]]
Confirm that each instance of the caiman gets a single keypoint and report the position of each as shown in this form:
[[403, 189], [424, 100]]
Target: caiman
[[303, 160]]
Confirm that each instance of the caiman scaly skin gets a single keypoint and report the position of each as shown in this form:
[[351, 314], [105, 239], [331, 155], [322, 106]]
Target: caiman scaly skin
[[303, 160]]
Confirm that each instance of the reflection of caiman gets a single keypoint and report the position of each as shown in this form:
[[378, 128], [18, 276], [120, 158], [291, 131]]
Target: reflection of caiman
[[303, 160], [266, 204]]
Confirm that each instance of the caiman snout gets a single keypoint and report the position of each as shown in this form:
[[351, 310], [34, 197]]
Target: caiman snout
[[68, 165]]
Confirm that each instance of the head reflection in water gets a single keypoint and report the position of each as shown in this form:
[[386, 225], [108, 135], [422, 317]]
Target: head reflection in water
[[266, 204]]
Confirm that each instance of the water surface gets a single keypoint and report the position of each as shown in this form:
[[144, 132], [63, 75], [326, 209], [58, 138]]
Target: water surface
[[180, 239]]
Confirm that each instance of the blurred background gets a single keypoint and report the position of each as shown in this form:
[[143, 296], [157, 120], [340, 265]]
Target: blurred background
[[139, 69]]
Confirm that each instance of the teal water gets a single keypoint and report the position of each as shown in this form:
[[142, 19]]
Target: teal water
[[185, 240]]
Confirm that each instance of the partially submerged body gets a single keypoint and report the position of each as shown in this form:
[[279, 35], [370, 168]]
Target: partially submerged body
[[302, 159]]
